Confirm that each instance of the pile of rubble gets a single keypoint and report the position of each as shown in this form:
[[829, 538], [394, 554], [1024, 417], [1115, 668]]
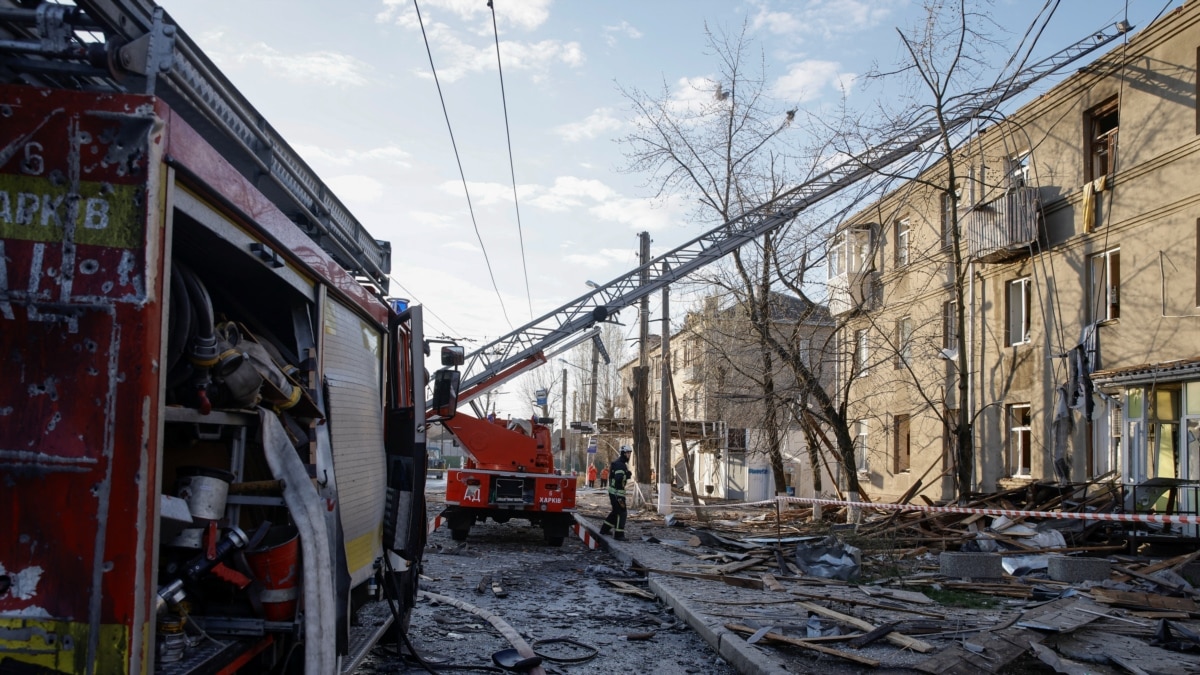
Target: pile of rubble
[[947, 592]]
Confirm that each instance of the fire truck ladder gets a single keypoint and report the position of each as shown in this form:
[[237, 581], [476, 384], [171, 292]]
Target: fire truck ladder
[[524, 348], [143, 51]]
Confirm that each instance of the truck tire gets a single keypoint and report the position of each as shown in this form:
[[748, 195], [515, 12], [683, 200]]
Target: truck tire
[[459, 533], [554, 540]]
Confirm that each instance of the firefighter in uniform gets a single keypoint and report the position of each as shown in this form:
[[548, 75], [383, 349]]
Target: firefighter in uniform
[[619, 473]]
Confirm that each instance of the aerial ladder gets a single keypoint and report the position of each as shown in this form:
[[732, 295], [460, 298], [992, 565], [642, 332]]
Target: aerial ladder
[[472, 494]]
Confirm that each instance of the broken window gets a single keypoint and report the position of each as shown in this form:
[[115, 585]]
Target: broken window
[[902, 229], [737, 440], [951, 207], [1106, 282], [901, 444], [1018, 170], [1017, 327], [1101, 147], [1020, 455]]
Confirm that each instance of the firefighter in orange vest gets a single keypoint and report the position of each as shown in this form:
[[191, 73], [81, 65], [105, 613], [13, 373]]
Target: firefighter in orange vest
[[591, 475]]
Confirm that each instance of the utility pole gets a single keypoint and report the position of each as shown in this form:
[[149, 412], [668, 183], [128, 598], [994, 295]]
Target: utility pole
[[664, 407], [641, 380]]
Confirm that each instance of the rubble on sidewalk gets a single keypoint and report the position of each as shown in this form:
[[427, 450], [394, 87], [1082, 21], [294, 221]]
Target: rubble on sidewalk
[[1129, 606]]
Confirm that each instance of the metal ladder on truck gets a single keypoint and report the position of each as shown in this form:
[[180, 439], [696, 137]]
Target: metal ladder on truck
[[144, 52], [525, 348]]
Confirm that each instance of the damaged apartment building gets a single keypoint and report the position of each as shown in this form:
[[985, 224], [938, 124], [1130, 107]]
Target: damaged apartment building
[[1077, 226], [731, 412]]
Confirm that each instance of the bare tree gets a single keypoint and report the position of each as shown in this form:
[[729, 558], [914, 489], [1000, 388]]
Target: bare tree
[[727, 150]]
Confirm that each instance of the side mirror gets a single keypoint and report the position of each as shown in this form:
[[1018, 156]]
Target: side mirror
[[453, 355], [445, 394]]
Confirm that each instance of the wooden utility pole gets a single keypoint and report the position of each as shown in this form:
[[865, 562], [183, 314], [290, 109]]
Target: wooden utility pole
[[641, 380]]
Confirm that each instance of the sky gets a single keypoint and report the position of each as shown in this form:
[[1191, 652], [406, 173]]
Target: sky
[[350, 87]]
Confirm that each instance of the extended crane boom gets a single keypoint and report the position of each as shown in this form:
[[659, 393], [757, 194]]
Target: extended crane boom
[[509, 355]]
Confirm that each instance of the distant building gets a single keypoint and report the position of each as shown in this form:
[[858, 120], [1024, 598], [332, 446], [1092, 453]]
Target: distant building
[[717, 372]]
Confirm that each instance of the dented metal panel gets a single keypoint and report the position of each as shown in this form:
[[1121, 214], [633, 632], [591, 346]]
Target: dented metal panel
[[80, 225]]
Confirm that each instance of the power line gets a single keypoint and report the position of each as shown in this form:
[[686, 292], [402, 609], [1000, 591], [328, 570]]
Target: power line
[[414, 298], [512, 171], [458, 159]]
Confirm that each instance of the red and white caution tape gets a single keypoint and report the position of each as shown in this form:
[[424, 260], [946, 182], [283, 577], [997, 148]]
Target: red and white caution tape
[[1011, 513]]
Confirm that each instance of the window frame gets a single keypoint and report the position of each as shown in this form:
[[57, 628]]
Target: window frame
[[950, 324], [1020, 440], [1100, 146], [1026, 323], [901, 443], [862, 463], [902, 237], [862, 352], [1111, 291], [949, 224]]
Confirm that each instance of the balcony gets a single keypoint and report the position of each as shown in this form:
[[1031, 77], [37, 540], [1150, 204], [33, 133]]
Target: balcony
[[855, 292], [1004, 228]]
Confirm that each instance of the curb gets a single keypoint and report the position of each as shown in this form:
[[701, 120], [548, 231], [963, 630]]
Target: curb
[[745, 658]]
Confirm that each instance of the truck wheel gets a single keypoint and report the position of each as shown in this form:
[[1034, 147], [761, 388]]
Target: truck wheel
[[554, 540], [459, 533]]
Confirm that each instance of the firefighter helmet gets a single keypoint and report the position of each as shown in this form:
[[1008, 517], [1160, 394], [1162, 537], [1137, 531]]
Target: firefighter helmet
[[625, 449]]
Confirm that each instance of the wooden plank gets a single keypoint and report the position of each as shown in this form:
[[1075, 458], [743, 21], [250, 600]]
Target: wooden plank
[[898, 639], [864, 640], [737, 566], [1151, 601], [999, 648], [772, 583], [797, 642], [629, 589]]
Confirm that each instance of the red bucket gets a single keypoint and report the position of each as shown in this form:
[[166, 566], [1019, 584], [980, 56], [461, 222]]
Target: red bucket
[[276, 566]]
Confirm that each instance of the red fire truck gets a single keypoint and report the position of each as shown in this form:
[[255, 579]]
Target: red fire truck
[[212, 420]]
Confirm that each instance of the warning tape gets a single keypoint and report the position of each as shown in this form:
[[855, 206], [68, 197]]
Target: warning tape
[[434, 524], [1160, 519]]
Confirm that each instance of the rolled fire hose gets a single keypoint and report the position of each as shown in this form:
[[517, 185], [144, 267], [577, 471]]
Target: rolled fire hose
[[514, 638]]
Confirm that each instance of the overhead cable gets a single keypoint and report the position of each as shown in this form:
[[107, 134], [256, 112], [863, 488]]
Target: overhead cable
[[458, 159], [512, 171]]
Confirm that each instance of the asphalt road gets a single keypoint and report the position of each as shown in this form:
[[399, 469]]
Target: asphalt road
[[561, 600]]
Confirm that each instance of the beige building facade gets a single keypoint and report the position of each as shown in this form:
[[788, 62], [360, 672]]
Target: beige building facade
[[1077, 223]]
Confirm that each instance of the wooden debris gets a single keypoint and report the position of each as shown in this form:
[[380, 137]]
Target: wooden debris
[[1149, 601], [771, 583], [484, 583], [498, 590], [804, 644], [880, 631], [629, 589], [897, 639]]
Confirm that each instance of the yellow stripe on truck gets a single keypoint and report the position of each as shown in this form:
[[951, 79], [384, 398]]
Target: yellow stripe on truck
[[106, 214], [61, 646]]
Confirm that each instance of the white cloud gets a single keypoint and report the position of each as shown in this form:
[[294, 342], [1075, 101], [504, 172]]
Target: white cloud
[[458, 50], [356, 189], [323, 67], [389, 154], [642, 214], [467, 246], [823, 18], [626, 29], [600, 121], [601, 259], [569, 192], [807, 80]]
